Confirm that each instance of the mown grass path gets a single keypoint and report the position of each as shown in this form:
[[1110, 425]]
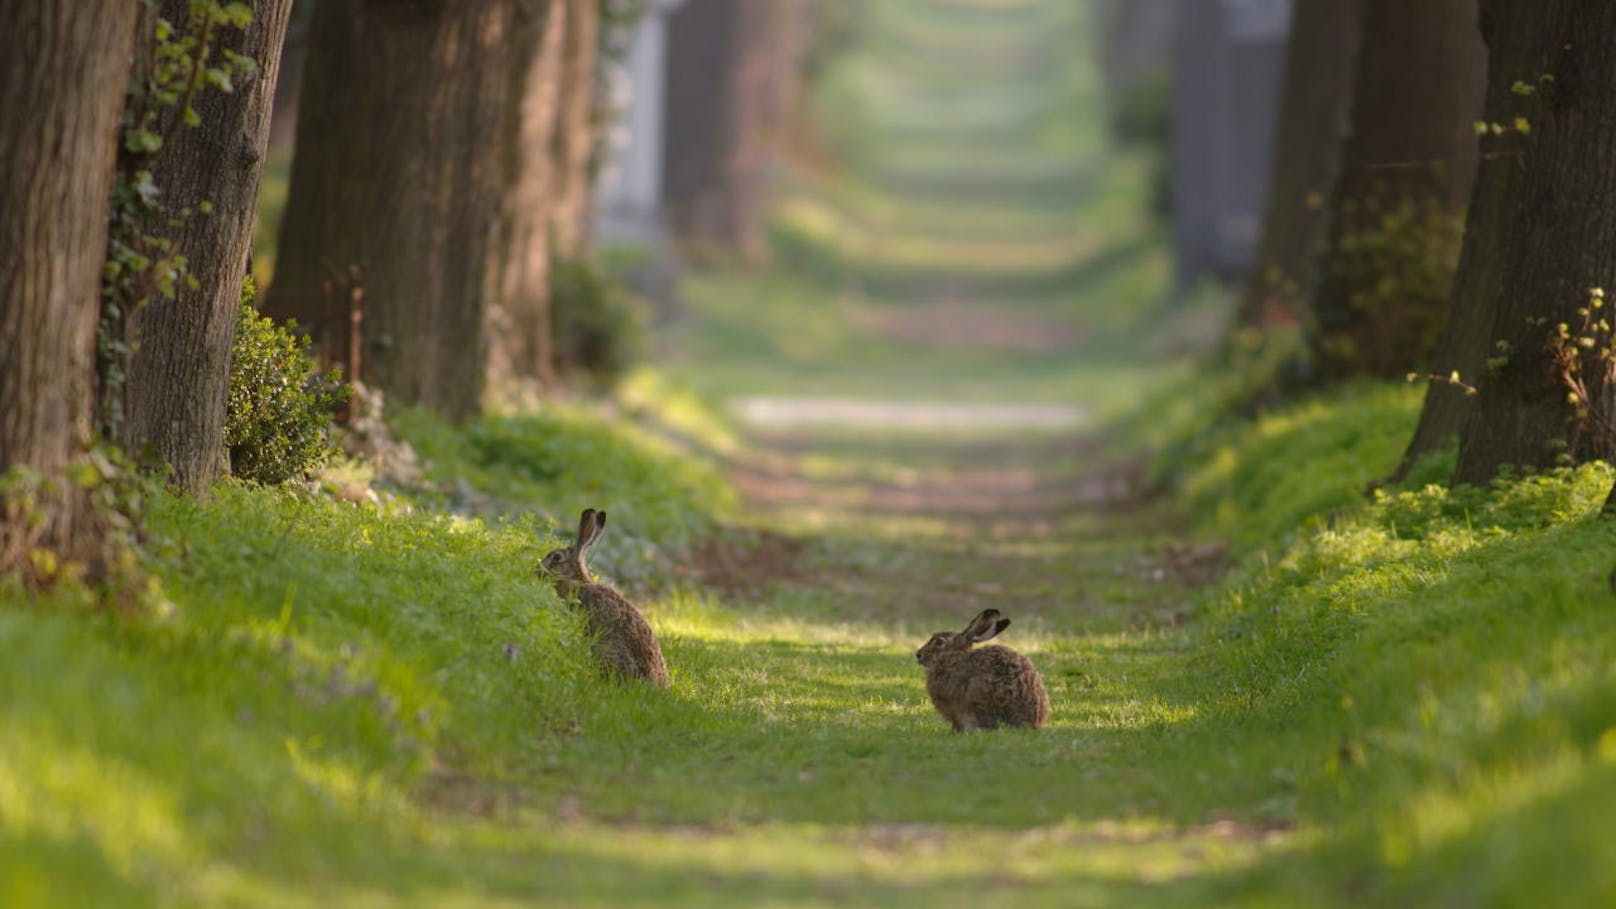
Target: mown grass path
[[937, 386], [377, 703], [921, 404]]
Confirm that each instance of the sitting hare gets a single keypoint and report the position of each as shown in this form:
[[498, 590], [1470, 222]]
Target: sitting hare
[[624, 643], [986, 688]]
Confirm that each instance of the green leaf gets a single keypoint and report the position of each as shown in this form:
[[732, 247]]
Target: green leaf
[[143, 140]]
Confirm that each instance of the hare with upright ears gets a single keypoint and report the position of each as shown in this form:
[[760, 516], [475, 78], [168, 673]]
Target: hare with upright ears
[[982, 688], [624, 643]]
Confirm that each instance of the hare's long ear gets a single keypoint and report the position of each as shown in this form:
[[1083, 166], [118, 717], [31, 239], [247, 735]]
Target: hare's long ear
[[987, 624], [586, 526], [596, 527]]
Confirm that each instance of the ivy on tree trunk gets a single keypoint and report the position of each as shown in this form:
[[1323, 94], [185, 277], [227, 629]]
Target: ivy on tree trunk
[[209, 175]]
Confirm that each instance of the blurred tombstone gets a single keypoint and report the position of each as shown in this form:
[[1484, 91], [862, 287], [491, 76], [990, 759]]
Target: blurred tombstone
[[1229, 62], [629, 206]]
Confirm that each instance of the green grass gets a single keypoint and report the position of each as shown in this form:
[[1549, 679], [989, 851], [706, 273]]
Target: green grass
[[558, 461], [1405, 698], [273, 721], [1431, 669], [1349, 440], [378, 702]]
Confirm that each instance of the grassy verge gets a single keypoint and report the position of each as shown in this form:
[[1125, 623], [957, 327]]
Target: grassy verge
[[1403, 699], [1422, 677], [377, 702]]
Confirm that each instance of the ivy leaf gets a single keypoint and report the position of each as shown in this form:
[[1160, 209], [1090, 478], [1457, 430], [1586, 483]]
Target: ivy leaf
[[143, 140], [243, 65], [238, 14], [146, 188]]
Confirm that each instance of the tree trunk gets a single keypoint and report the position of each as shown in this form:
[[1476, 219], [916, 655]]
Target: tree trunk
[[1407, 171], [179, 374], [1315, 99], [1467, 335], [1544, 213], [702, 44], [397, 186], [574, 146], [728, 73], [1467, 339], [62, 79], [522, 344]]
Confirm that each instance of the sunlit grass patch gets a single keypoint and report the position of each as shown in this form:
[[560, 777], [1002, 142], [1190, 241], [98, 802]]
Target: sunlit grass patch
[[1257, 481], [558, 461], [1426, 669]]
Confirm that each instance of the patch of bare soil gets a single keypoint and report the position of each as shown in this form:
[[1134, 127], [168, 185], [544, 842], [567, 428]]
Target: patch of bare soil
[[748, 563], [986, 499]]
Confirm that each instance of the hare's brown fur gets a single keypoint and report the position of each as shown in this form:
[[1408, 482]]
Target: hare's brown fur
[[624, 642], [982, 688]]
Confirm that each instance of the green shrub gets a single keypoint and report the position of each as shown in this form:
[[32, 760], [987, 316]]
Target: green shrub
[[599, 328], [279, 413]]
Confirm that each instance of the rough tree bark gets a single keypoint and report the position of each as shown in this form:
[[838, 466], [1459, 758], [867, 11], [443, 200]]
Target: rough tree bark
[[549, 141], [397, 186], [179, 375], [1467, 337], [1544, 211], [1314, 104], [522, 344], [730, 65], [62, 77], [1407, 171]]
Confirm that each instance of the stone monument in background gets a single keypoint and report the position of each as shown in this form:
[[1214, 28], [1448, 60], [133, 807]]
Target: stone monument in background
[[629, 202]]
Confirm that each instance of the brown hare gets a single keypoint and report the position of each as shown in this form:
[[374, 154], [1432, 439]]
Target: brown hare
[[982, 688], [624, 643]]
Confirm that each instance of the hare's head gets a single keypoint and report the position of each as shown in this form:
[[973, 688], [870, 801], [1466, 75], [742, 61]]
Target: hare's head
[[565, 566], [987, 624]]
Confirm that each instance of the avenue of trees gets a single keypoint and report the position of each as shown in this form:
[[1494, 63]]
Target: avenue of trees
[[1443, 178], [1443, 174], [445, 157]]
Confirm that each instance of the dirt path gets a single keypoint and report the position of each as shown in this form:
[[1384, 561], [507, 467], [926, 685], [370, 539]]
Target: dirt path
[[923, 519], [918, 419]]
